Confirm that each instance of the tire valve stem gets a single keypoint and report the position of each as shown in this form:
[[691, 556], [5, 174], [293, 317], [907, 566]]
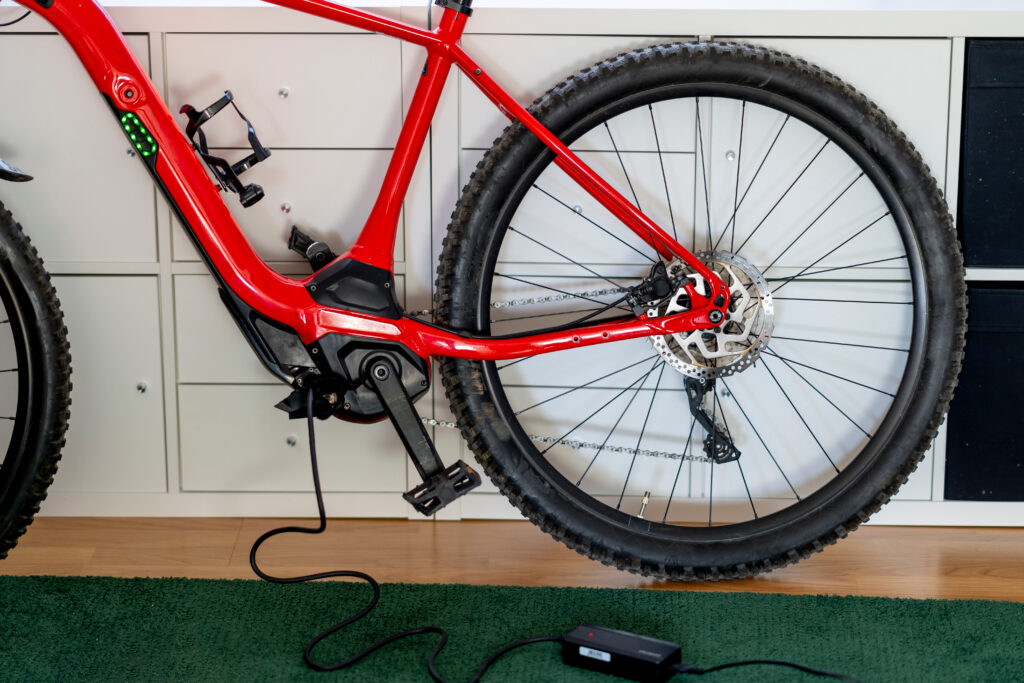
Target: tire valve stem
[[643, 504]]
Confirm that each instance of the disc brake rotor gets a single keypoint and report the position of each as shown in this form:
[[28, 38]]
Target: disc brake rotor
[[735, 344]]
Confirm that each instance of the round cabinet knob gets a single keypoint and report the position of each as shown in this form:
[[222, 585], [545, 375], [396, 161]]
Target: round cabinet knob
[[283, 93], [141, 387]]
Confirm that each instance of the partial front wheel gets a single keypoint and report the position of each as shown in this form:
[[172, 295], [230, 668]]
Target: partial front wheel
[[35, 382]]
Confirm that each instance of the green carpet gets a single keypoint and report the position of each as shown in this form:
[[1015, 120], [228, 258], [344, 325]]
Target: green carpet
[[178, 629]]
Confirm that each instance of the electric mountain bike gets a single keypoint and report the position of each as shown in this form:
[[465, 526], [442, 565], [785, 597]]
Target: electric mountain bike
[[699, 312]]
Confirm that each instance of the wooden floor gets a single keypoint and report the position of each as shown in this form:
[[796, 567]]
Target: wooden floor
[[886, 561]]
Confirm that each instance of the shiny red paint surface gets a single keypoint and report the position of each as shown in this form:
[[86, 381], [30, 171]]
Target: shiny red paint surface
[[119, 76]]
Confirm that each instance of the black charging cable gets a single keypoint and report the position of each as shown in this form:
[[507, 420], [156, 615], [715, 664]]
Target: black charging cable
[[684, 669], [308, 653], [432, 659]]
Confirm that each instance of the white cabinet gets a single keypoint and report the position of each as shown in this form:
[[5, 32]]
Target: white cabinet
[[90, 200], [232, 439], [116, 439], [300, 91]]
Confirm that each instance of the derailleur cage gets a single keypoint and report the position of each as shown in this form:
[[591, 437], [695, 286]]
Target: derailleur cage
[[718, 444], [225, 172]]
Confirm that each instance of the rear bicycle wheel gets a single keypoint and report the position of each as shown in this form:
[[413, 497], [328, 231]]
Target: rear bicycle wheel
[[831, 374], [35, 382]]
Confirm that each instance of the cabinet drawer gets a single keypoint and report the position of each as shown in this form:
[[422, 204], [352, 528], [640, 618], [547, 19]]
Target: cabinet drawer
[[991, 197], [327, 193], [984, 460], [116, 439], [210, 347], [358, 105], [233, 439], [57, 129]]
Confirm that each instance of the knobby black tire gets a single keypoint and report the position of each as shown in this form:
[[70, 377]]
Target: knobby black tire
[[44, 368], [482, 215]]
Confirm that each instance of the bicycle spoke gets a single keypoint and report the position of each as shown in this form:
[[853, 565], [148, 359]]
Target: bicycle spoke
[[679, 470], [816, 219], [837, 247], [824, 341], [830, 401], [703, 172], [779, 200], [739, 160], [725, 423], [623, 165], [643, 429], [563, 256], [642, 380], [784, 280], [499, 368], [547, 315], [758, 435], [10, 370], [843, 301], [732, 219], [594, 223], [764, 364], [825, 372], [584, 386], [664, 177]]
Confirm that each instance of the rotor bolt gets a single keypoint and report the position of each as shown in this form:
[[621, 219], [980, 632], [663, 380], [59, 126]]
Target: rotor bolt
[[730, 155], [141, 387], [291, 440], [578, 209], [283, 93], [286, 208]]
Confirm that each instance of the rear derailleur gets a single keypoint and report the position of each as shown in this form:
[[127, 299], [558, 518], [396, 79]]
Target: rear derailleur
[[718, 444]]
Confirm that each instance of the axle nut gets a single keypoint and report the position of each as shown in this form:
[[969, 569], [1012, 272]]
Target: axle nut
[[715, 316]]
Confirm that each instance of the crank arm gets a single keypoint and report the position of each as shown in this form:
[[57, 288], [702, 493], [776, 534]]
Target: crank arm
[[440, 485]]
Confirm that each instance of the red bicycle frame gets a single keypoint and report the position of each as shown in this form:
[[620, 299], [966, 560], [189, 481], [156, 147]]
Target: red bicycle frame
[[121, 79]]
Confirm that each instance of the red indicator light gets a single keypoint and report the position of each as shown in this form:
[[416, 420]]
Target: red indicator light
[[591, 635]]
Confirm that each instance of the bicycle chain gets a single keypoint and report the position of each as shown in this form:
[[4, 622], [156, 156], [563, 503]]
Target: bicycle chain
[[587, 445], [539, 300]]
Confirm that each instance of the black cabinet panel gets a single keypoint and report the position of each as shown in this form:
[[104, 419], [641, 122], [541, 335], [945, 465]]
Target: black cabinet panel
[[985, 428], [992, 173]]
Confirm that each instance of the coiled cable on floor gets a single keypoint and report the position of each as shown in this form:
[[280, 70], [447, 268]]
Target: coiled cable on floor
[[308, 653]]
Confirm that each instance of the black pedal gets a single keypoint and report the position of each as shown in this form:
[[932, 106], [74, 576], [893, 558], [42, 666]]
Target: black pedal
[[442, 488], [226, 173], [317, 253]]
